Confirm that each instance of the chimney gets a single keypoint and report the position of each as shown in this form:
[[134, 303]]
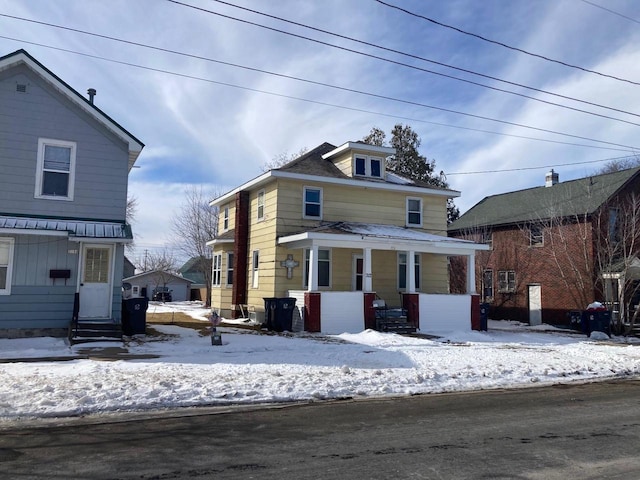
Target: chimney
[[551, 178], [92, 93]]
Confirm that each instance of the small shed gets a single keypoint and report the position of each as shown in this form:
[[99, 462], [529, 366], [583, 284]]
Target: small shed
[[147, 283]]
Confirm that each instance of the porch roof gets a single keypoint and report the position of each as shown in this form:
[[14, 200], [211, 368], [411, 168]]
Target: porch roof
[[379, 237], [74, 229]]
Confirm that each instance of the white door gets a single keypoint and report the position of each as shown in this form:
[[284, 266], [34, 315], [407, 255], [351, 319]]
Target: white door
[[95, 281], [535, 305]]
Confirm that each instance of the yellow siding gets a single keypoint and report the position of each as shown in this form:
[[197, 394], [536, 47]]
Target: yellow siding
[[221, 295], [232, 217], [344, 162]]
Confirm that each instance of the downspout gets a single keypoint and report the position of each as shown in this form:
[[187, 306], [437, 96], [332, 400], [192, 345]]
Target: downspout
[[240, 252]]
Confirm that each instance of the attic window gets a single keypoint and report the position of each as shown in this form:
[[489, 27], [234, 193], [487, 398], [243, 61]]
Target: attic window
[[366, 166], [21, 87]]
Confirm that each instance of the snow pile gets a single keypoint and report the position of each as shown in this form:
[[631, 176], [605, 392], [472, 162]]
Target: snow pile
[[251, 368]]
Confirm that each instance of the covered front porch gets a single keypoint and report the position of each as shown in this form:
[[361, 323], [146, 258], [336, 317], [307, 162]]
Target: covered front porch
[[406, 268]]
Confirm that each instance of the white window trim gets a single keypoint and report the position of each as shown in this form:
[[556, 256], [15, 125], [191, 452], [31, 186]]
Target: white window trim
[[216, 277], [261, 195], [11, 242], [40, 168], [255, 268], [225, 218], [229, 264], [305, 274], [415, 264], [508, 289], [304, 203], [407, 212], [367, 166]]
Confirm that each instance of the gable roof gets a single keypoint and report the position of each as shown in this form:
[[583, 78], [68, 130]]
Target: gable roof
[[22, 57], [157, 273], [574, 197]]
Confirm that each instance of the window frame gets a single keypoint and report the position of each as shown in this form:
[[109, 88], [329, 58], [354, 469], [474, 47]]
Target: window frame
[[409, 212], [229, 270], [509, 281], [9, 265], [225, 218], [487, 273], [328, 260], [255, 268], [417, 261], [368, 166], [260, 205], [536, 235], [216, 270], [40, 170], [305, 189]]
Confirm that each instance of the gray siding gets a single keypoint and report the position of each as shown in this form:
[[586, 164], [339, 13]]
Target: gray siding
[[101, 159]]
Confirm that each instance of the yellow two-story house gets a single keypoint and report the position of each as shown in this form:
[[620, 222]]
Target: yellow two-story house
[[339, 233]]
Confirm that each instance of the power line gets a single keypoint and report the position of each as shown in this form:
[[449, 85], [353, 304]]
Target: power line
[[182, 75], [519, 169], [417, 57], [626, 147], [516, 49], [611, 11]]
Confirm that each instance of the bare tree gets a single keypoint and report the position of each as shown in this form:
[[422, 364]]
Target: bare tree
[[161, 264], [619, 164], [130, 216], [193, 226], [282, 159]]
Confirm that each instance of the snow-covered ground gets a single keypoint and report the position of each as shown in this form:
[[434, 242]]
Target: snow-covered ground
[[251, 367]]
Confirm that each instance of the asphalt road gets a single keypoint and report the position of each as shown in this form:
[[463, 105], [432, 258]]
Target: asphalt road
[[563, 432]]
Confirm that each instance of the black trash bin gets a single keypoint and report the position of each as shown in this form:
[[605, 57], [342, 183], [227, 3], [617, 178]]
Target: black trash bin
[[596, 321], [278, 313], [134, 315], [484, 316]]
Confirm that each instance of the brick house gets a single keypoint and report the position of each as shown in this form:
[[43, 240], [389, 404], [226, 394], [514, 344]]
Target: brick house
[[556, 248]]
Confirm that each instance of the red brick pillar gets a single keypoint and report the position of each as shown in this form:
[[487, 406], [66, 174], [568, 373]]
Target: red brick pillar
[[312, 311], [411, 303], [369, 311], [475, 312], [240, 252]]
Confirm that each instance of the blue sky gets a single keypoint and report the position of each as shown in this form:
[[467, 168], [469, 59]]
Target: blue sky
[[219, 135]]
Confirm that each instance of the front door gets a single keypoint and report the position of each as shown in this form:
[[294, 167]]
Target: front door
[[535, 305], [358, 273], [96, 281]]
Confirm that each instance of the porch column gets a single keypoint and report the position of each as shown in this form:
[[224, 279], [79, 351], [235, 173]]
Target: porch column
[[367, 285], [411, 271], [313, 268], [471, 274]]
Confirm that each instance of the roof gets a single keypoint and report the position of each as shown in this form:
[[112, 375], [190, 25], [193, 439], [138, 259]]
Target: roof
[[158, 273], [23, 57], [316, 165], [66, 227], [385, 237], [574, 197]]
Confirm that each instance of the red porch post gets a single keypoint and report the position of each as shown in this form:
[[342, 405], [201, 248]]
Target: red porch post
[[369, 311], [411, 303], [475, 312], [312, 311]]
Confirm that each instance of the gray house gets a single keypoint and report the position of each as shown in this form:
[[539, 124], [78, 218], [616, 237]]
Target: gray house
[[63, 197]]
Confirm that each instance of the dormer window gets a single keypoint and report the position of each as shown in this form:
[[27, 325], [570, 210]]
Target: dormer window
[[366, 166]]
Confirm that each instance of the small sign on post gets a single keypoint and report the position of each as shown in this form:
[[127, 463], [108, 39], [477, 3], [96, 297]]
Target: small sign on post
[[216, 337]]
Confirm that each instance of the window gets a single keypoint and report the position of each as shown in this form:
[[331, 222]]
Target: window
[[217, 269], [255, 268], [368, 166], [261, 205], [6, 264], [55, 169], [414, 212], [487, 238], [536, 236], [487, 285], [225, 218], [324, 267], [229, 269], [402, 270], [312, 202], [506, 281], [614, 226]]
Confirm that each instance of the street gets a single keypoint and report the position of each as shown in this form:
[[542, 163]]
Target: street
[[589, 431]]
